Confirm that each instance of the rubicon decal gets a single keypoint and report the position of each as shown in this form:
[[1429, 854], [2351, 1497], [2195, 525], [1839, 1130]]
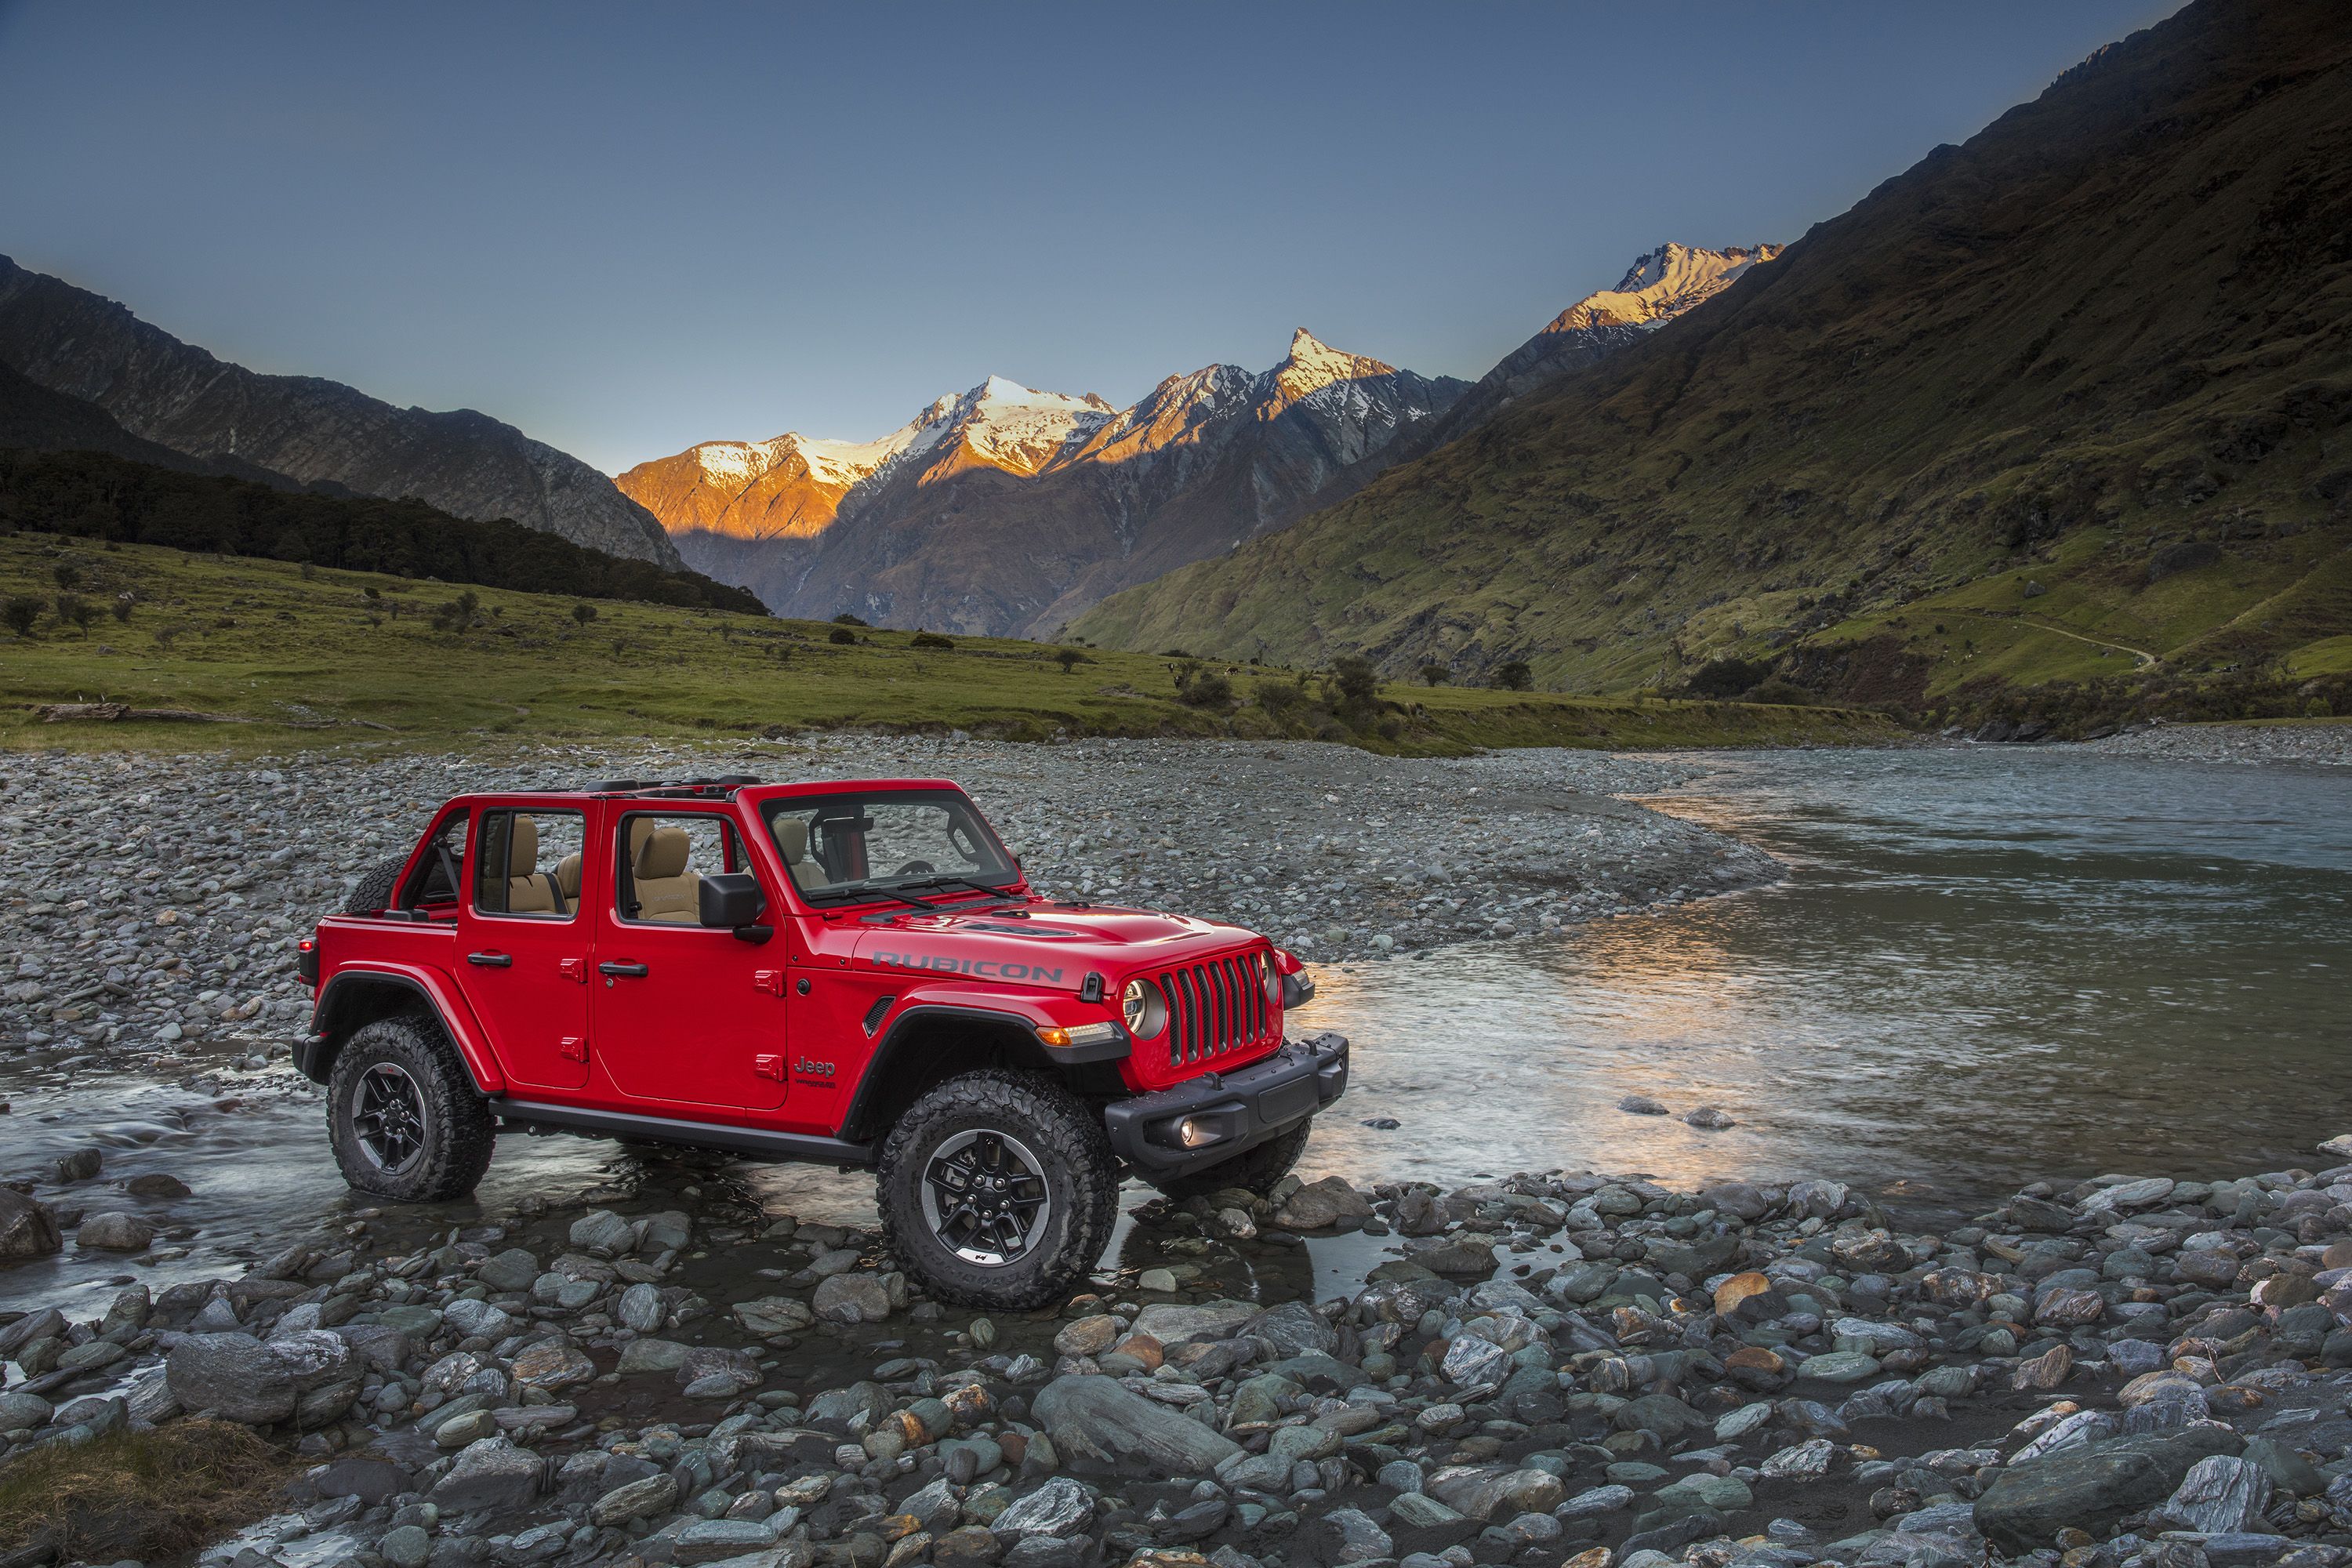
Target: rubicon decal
[[990, 968]]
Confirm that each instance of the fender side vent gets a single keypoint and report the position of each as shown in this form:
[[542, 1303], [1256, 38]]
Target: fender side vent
[[876, 1013]]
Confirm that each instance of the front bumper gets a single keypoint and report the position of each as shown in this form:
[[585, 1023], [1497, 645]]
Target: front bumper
[[1247, 1106]]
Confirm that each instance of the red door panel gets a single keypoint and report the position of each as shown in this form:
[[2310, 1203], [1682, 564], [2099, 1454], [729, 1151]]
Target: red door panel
[[525, 976]]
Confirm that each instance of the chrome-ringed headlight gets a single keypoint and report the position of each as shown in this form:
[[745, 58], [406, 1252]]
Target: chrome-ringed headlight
[[1143, 1009]]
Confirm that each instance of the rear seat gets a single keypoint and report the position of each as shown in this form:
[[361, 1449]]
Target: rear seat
[[665, 891], [530, 890]]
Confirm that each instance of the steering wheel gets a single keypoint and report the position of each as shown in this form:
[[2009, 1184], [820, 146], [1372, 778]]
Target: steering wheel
[[911, 866]]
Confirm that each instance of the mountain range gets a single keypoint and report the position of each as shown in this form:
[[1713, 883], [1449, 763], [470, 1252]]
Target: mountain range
[[2070, 402], [298, 430]]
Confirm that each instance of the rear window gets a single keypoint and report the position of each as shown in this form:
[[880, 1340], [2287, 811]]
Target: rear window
[[839, 845], [526, 863]]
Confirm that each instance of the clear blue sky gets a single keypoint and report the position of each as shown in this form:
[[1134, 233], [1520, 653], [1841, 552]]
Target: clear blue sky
[[626, 228]]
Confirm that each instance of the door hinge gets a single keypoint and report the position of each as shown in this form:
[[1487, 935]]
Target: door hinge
[[770, 981], [572, 1049], [573, 969], [768, 1066]]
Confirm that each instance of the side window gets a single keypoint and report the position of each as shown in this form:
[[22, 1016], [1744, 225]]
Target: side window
[[434, 880], [528, 863], [662, 861]]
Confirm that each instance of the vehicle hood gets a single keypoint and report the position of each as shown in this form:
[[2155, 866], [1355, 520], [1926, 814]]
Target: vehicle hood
[[1042, 943]]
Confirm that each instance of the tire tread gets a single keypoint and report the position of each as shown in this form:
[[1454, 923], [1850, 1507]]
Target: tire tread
[[468, 1134]]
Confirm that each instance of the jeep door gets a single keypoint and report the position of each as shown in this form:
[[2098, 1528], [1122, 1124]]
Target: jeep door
[[685, 1015], [523, 945]]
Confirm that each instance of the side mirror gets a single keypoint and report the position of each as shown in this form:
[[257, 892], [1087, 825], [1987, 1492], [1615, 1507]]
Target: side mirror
[[731, 900]]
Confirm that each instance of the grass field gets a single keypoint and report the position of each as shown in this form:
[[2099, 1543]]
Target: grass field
[[305, 659]]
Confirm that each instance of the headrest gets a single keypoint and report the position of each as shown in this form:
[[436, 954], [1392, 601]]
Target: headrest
[[639, 826], [523, 846], [663, 854], [792, 838]]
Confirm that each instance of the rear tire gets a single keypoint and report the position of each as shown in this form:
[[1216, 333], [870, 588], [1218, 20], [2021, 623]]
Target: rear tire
[[403, 1114], [374, 892], [998, 1190], [1254, 1169]]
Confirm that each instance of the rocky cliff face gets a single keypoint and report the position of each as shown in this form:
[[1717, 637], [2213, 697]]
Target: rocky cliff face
[[1007, 509], [176, 394]]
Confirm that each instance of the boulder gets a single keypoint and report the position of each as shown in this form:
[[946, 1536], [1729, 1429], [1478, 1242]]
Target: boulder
[[2092, 1486], [771, 1315], [490, 1474], [1097, 1423], [115, 1232], [640, 1499], [551, 1364], [2218, 1494], [245, 1380], [852, 1298], [1318, 1205], [511, 1271], [1059, 1509], [1174, 1324], [27, 1228]]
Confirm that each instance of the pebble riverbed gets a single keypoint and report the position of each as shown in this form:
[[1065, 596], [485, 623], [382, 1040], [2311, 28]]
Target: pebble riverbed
[[1554, 1367]]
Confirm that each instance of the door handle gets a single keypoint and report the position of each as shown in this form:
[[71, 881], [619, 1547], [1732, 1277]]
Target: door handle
[[491, 959], [626, 970]]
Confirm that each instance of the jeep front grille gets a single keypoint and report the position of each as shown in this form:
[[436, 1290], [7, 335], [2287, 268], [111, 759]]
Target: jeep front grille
[[1215, 1006]]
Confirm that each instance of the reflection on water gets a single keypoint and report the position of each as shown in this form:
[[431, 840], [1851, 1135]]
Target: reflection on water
[[1985, 966]]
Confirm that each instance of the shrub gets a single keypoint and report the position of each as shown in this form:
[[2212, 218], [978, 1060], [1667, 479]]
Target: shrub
[[841, 635], [67, 575], [1279, 697], [1786, 692], [582, 613], [1725, 677], [76, 611], [1513, 675], [1070, 658], [929, 639], [1436, 675], [455, 614], [22, 612], [1357, 686], [123, 606], [847, 619]]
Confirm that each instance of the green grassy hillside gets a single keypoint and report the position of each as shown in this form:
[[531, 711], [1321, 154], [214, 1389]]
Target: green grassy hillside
[[302, 656], [2066, 404]]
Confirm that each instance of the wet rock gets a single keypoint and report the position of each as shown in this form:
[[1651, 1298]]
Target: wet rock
[[1088, 1336], [640, 1499], [245, 1380], [711, 1371], [1058, 1509], [644, 1355], [1174, 1324], [551, 1364], [1640, 1105], [604, 1233], [1462, 1257], [156, 1185], [1596, 1501], [1318, 1205], [1806, 1461], [773, 1315], [1708, 1119], [478, 1320], [489, 1474], [27, 1228], [641, 1308], [2091, 1488], [46, 1323], [115, 1232], [21, 1411], [718, 1540], [1097, 1421], [512, 1271], [407, 1546], [1839, 1366], [1293, 1328], [1357, 1538], [2219, 1493], [851, 1298]]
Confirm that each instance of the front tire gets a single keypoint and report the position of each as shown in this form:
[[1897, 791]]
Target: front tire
[[997, 1190], [403, 1116], [1254, 1169]]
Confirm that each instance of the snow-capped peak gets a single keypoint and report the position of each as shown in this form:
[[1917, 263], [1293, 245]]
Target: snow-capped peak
[[1022, 428], [1312, 364], [1661, 285]]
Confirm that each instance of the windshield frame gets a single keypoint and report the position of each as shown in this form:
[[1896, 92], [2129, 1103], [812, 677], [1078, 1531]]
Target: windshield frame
[[900, 892]]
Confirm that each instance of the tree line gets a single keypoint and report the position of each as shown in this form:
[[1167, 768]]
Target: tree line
[[96, 495]]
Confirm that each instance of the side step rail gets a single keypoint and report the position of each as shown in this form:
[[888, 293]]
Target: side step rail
[[529, 1116]]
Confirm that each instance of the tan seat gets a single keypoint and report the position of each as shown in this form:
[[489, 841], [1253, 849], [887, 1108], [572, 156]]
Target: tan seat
[[665, 889], [567, 881], [530, 890], [791, 841]]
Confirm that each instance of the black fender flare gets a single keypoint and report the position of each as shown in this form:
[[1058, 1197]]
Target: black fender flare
[[901, 1045], [332, 1020]]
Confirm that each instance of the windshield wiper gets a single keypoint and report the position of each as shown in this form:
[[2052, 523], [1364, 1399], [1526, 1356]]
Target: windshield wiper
[[989, 888], [874, 891]]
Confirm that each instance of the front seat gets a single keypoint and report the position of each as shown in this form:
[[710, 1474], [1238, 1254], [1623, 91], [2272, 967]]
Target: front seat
[[665, 889], [791, 842], [530, 890]]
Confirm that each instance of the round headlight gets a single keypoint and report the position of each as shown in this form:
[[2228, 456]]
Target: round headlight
[[1267, 978], [1145, 1010]]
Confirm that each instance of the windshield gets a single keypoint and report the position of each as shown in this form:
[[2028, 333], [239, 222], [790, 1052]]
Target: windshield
[[901, 842]]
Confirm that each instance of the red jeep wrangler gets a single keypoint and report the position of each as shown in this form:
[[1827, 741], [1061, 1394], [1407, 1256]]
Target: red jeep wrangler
[[855, 973]]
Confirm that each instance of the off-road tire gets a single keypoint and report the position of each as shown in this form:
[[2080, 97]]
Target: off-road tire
[[457, 1130], [374, 890], [1255, 1169], [1080, 1173]]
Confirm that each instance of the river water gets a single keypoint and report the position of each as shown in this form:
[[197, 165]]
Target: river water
[[1984, 966]]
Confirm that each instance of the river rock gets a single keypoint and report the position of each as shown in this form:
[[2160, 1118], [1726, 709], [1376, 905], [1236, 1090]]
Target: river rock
[[2092, 1486], [27, 1228], [721, 1540], [603, 1233], [553, 1365], [643, 1355], [2219, 1493], [249, 1381], [1096, 1422], [641, 1308], [115, 1232], [1173, 1324], [490, 1474], [46, 1323], [1357, 1538], [1318, 1205], [1059, 1509], [1640, 1105], [773, 1315], [640, 1499], [478, 1320], [21, 1411], [512, 1271], [851, 1298]]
